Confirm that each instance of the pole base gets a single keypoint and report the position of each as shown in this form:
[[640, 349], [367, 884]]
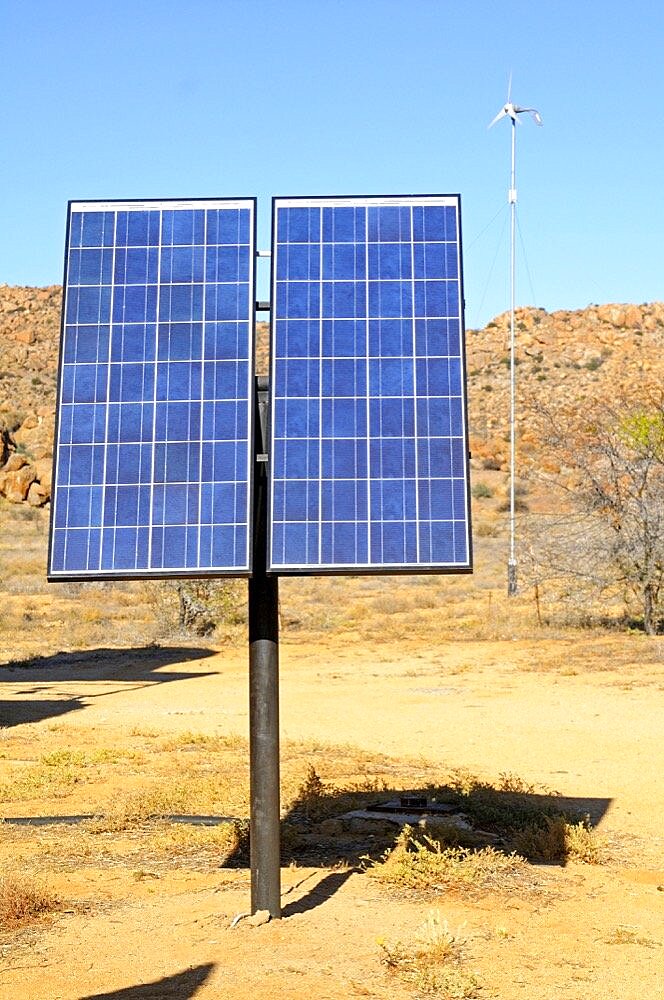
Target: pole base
[[511, 579]]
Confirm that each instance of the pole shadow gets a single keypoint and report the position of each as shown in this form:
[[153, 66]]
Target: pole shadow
[[318, 894], [181, 986]]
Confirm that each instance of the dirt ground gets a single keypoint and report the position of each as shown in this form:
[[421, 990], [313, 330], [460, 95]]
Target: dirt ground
[[583, 715]]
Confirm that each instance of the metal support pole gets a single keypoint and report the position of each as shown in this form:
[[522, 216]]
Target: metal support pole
[[511, 565], [263, 693]]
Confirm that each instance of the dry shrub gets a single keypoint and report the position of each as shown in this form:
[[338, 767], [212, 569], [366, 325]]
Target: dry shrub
[[482, 491], [310, 798], [520, 505], [485, 529], [531, 819], [421, 862], [196, 607], [393, 603], [23, 901], [630, 934], [559, 840], [315, 801]]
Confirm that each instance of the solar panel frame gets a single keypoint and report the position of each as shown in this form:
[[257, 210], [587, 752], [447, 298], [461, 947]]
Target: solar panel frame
[[57, 573], [277, 567]]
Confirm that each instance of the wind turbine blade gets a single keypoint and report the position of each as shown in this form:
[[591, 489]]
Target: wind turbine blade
[[509, 88], [533, 112], [501, 114]]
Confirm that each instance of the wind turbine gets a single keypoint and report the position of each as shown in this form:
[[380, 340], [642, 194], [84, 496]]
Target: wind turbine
[[512, 111]]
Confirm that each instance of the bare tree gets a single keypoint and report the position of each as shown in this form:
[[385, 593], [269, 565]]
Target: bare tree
[[197, 606], [605, 525]]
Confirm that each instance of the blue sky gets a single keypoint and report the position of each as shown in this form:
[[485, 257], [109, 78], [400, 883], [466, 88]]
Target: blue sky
[[161, 98]]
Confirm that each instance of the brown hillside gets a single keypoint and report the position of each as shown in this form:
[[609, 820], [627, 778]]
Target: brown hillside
[[564, 358]]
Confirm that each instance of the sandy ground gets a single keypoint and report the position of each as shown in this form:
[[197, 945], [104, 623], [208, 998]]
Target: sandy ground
[[530, 708]]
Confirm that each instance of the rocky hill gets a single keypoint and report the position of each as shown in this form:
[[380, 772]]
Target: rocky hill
[[564, 358], [566, 361]]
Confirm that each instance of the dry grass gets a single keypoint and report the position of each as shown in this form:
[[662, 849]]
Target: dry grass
[[79, 758], [203, 742], [41, 781], [23, 901], [161, 844], [194, 795], [433, 962], [183, 840], [625, 934], [201, 774], [424, 864], [60, 772]]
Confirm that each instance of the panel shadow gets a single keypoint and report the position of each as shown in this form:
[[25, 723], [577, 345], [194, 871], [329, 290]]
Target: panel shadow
[[19, 713], [139, 665], [181, 986]]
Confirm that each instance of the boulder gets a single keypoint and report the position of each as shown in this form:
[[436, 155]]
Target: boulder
[[14, 463], [38, 495], [44, 468], [30, 433], [611, 313], [633, 316], [16, 485]]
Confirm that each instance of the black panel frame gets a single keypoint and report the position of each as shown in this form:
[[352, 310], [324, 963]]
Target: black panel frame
[[375, 569], [174, 573]]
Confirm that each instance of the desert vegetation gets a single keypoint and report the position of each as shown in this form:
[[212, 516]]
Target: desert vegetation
[[607, 534]]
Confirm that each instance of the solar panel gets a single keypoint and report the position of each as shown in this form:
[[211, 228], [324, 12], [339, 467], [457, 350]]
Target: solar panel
[[154, 433], [368, 452]]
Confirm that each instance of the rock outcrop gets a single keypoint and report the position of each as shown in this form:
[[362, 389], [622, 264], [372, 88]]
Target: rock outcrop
[[565, 359], [29, 338]]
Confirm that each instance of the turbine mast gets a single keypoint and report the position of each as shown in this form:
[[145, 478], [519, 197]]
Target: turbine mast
[[511, 197], [512, 111]]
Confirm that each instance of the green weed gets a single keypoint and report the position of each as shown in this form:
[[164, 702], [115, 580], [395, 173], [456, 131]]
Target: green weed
[[482, 491]]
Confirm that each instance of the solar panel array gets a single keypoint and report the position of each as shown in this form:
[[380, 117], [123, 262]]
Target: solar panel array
[[154, 438], [368, 417]]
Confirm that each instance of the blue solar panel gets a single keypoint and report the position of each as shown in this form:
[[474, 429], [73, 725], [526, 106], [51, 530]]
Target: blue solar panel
[[368, 452], [154, 438]]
